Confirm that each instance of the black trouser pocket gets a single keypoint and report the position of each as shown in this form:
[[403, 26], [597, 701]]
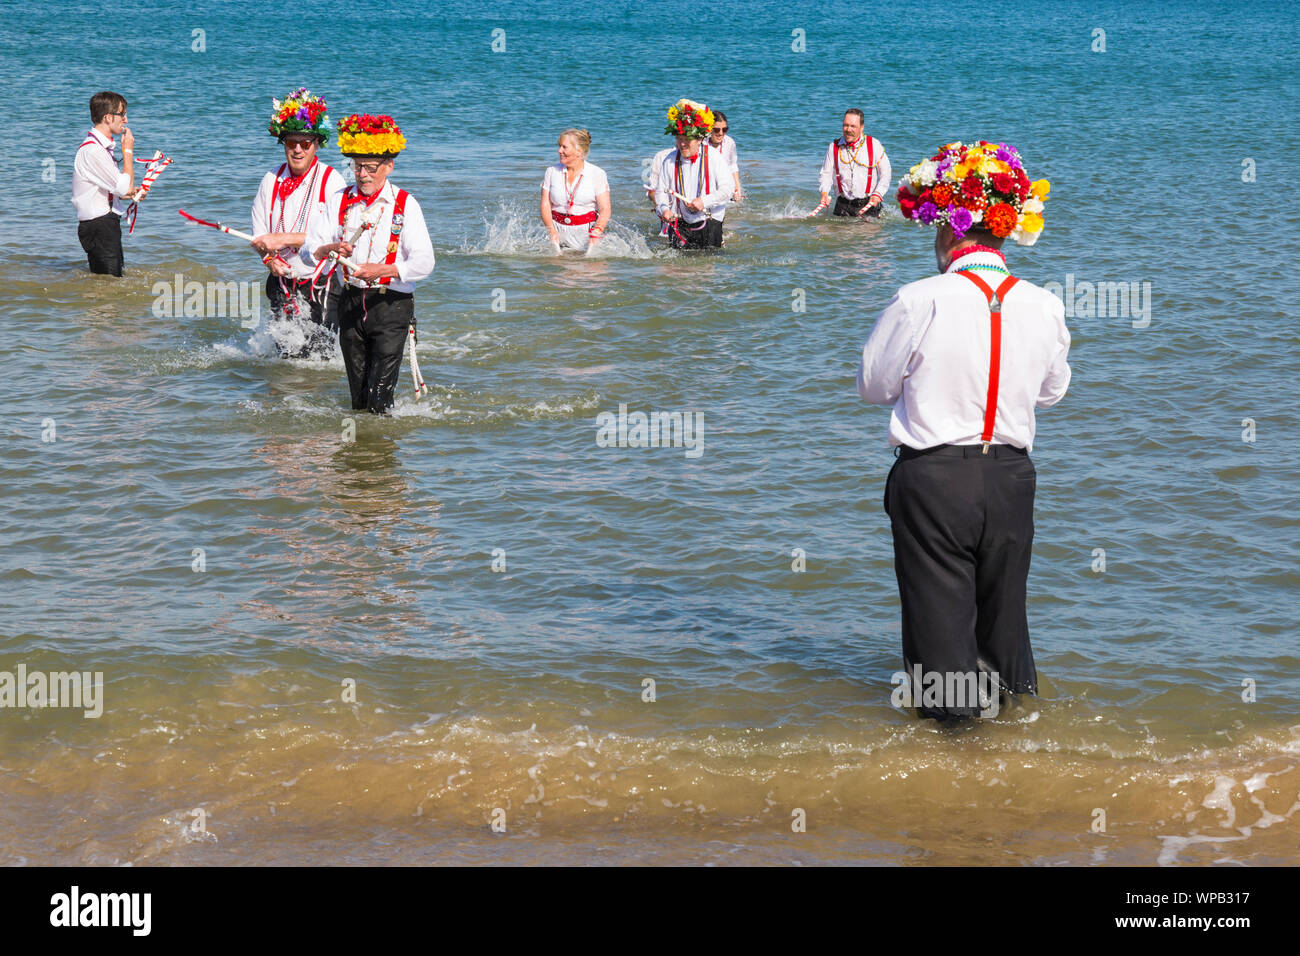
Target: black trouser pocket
[[888, 478]]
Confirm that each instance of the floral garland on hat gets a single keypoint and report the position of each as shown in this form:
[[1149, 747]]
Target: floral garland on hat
[[300, 112], [366, 135], [977, 184], [690, 119]]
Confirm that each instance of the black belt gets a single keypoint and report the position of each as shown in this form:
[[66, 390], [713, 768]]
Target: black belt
[[350, 289], [904, 453]]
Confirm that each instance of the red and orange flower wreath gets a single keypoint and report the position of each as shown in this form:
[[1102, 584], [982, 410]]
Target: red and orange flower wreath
[[366, 135], [964, 185], [690, 119]]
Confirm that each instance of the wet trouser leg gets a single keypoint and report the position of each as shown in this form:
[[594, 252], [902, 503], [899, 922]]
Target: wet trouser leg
[[852, 207], [963, 527], [373, 330], [688, 235], [102, 240]]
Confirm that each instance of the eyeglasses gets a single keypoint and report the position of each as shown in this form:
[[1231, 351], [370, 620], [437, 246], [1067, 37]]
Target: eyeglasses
[[720, 129], [299, 143], [368, 167]]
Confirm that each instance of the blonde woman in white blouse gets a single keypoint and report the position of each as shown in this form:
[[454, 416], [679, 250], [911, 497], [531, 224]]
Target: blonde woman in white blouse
[[575, 195]]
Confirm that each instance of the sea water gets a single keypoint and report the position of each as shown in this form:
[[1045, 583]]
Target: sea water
[[471, 632]]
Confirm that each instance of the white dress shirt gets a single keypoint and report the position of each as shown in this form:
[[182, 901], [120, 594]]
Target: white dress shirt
[[95, 177], [715, 192], [414, 248], [858, 176], [590, 184], [297, 212], [928, 356], [728, 148]]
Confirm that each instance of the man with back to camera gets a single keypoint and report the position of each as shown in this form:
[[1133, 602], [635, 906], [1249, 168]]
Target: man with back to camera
[[964, 358]]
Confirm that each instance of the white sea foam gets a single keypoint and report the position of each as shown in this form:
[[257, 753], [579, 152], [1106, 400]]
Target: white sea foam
[[516, 230]]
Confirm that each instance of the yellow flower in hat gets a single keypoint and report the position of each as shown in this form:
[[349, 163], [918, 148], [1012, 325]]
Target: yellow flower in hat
[[673, 113], [1040, 188]]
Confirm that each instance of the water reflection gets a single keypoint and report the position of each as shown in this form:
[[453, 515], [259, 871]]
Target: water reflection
[[347, 535]]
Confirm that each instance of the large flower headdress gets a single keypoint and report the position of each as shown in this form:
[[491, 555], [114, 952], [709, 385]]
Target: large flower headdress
[[300, 112], [370, 136], [979, 184]]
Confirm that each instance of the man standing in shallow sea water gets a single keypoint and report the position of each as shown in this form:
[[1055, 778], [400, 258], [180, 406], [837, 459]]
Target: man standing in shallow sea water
[[98, 186], [964, 358]]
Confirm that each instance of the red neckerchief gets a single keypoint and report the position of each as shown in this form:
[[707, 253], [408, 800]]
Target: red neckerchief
[[368, 201], [285, 187]]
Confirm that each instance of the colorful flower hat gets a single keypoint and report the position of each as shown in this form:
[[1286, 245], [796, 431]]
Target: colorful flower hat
[[370, 136], [300, 112], [979, 184], [690, 119]]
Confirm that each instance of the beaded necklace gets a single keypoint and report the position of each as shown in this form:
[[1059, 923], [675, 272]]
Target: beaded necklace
[[980, 265]]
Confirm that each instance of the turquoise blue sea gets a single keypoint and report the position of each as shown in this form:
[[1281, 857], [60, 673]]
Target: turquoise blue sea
[[307, 654]]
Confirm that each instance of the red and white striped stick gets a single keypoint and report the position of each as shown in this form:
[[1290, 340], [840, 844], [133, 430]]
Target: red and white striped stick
[[218, 226], [155, 166], [325, 268]]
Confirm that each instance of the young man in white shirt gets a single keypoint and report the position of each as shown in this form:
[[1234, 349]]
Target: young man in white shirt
[[381, 230], [694, 182], [289, 199], [858, 169], [964, 357], [98, 185]]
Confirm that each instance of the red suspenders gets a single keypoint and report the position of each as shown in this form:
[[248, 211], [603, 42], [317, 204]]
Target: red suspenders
[[871, 167], [395, 230], [305, 213], [91, 141], [351, 198], [995, 300]]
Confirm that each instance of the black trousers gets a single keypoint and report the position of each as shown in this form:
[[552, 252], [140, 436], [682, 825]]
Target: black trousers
[[963, 525], [851, 207], [708, 236], [320, 321], [102, 239], [372, 334]]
